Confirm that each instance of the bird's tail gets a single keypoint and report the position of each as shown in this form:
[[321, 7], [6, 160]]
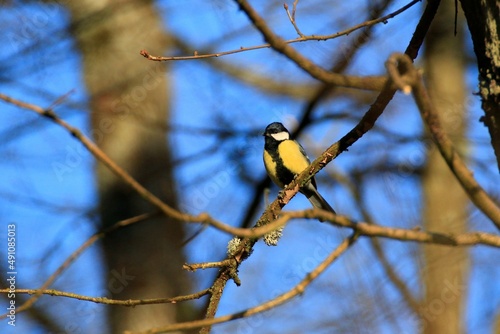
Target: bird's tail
[[317, 200]]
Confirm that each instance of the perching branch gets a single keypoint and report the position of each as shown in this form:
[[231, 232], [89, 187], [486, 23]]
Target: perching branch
[[320, 93]]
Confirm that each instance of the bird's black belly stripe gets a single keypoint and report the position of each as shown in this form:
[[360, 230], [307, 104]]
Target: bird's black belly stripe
[[284, 175]]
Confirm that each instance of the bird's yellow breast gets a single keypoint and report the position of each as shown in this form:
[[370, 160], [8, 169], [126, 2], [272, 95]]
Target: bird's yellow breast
[[271, 168], [292, 156]]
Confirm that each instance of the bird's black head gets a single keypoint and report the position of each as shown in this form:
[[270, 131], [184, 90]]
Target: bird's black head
[[277, 131], [275, 134]]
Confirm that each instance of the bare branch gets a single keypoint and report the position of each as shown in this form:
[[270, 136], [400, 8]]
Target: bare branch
[[411, 77], [101, 156], [282, 46], [291, 17], [107, 301], [206, 265]]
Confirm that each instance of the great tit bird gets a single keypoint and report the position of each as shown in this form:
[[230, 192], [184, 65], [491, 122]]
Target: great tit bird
[[284, 159]]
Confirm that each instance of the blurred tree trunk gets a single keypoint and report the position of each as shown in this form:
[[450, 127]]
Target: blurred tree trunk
[[483, 19], [445, 269], [130, 107]]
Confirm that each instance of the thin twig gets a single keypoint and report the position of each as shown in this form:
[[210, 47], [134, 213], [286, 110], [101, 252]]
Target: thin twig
[[294, 8], [107, 301], [291, 17], [61, 99], [345, 32], [206, 265]]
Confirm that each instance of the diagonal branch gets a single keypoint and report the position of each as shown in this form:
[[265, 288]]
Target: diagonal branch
[[411, 81], [99, 155], [319, 94]]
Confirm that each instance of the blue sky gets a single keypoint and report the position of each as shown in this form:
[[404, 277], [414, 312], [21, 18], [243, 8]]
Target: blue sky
[[54, 211]]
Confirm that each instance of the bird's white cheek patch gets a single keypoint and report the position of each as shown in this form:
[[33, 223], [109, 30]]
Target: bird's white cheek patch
[[281, 136]]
